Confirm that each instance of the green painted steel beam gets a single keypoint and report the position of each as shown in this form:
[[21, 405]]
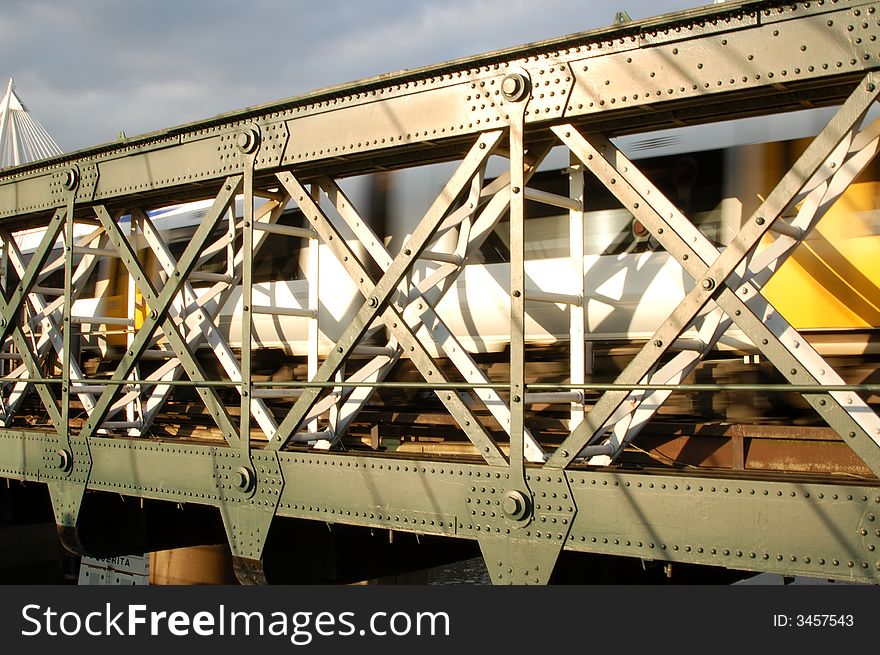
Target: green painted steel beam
[[820, 529]]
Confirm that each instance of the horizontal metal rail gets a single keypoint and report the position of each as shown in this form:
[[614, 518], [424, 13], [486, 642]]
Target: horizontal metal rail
[[552, 199], [464, 386], [295, 312], [286, 230]]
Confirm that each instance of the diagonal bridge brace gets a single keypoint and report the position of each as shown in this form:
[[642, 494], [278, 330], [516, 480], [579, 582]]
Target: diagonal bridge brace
[[32, 367], [416, 307], [10, 307], [843, 166], [378, 301], [796, 360], [159, 303], [419, 311], [404, 325], [201, 322], [20, 293], [47, 313], [395, 322]]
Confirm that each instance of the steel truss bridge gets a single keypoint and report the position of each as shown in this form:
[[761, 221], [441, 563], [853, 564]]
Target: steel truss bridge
[[522, 501]]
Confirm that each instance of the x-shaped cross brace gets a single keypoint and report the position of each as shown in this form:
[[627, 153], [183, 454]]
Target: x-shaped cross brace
[[378, 301], [718, 281], [159, 304], [11, 306], [48, 314]]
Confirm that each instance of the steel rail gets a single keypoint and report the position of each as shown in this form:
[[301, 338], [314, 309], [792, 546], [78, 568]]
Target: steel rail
[[450, 386]]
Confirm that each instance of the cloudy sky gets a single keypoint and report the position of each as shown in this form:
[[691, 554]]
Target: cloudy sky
[[90, 68]]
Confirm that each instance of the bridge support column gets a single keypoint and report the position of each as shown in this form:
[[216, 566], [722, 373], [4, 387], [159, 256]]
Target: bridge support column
[[248, 494], [521, 536], [71, 461]]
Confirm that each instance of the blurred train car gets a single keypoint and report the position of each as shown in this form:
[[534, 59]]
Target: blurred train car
[[828, 289]]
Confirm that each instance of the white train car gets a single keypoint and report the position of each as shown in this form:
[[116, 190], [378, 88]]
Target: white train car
[[715, 175]]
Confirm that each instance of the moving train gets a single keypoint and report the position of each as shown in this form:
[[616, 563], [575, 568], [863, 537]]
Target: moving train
[[716, 175]]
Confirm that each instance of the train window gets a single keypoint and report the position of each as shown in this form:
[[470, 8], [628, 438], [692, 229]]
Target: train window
[[278, 258], [55, 280]]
